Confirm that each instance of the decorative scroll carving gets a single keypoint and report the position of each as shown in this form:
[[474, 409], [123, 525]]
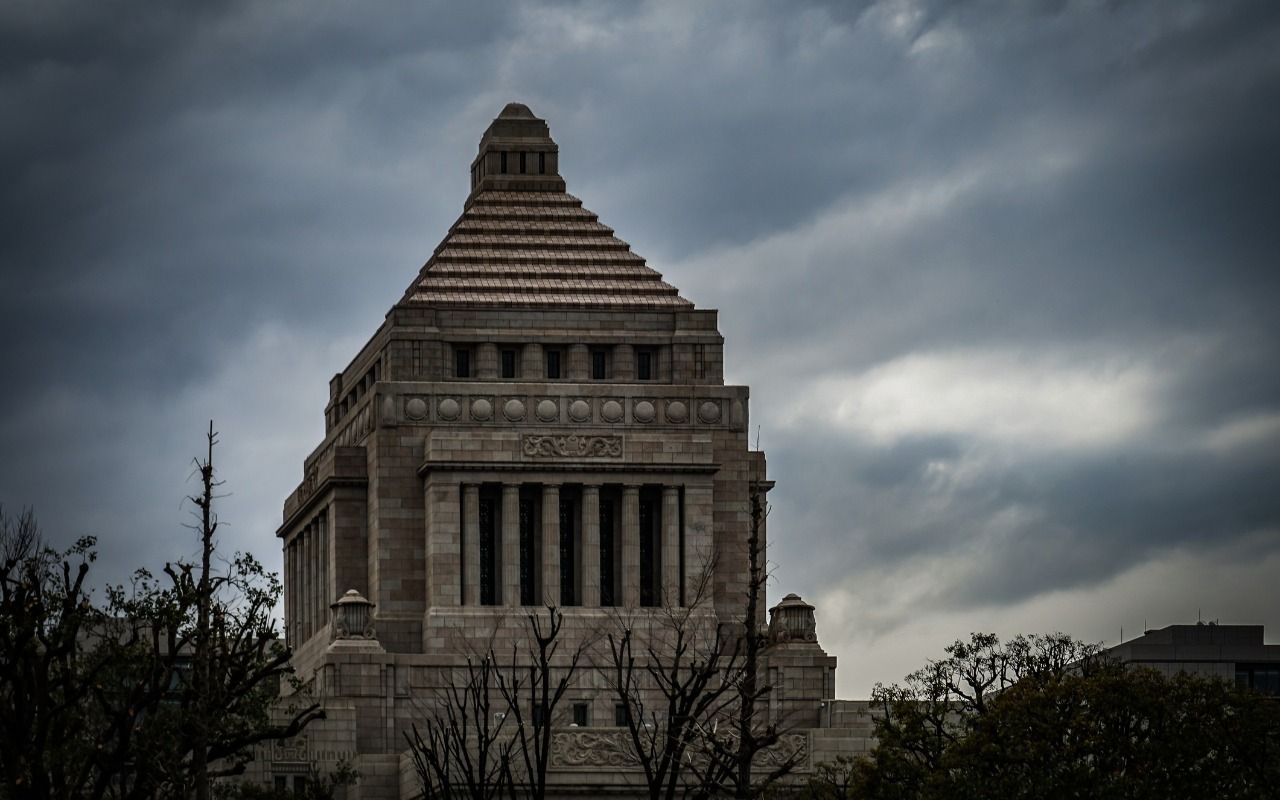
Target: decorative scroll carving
[[592, 749], [294, 749], [613, 748], [572, 446]]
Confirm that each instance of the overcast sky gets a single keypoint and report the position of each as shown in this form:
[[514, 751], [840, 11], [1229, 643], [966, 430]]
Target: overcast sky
[[1002, 277]]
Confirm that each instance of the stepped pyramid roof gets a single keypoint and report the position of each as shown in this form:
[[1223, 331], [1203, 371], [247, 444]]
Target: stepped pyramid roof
[[524, 242]]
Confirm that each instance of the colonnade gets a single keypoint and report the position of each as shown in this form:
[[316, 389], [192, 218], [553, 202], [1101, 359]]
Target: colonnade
[[307, 571], [571, 545]]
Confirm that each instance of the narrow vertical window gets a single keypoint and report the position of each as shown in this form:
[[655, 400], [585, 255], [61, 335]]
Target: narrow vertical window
[[599, 365], [503, 167], [462, 363], [648, 552], [488, 582], [542, 163], [581, 713], [553, 365], [644, 365], [508, 363], [699, 361], [621, 715], [528, 519], [606, 551], [568, 573], [522, 164]]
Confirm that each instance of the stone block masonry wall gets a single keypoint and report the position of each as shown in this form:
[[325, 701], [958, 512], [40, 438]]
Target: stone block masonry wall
[[397, 542]]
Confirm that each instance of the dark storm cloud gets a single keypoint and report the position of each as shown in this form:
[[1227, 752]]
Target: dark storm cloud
[[1001, 275]]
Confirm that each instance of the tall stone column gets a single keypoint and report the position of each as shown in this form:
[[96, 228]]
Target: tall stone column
[[551, 545], [670, 546], [511, 544], [471, 540], [313, 535], [290, 584], [590, 546], [299, 604], [630, 577], [308, 581], [325, 593]]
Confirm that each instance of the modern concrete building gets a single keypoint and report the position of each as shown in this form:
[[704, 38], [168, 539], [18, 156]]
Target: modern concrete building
[[1233, 653], [540, 419]]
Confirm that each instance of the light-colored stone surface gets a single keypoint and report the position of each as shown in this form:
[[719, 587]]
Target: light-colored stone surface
[[389, 500]]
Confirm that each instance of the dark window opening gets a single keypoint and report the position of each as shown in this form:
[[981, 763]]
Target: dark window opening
[[503, 167], [299, 783], [699, 361], [542, 163], [1262, 678], [649, 518], [508, 363], [644, 365], [599, 365], [568, 574], [621, 715], [522, 162], [461, 363], [537, 715], [606, 552], [281, 783], [528, 519], [553, 365], [581, 713], [488, 552]]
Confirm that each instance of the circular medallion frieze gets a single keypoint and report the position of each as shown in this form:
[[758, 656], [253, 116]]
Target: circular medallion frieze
[[415, 408], [579, 411], [449, 409], [677, 411], [547, 410], [709, 412], [481, 409], [643, 411], [611, 411], [513, 410]]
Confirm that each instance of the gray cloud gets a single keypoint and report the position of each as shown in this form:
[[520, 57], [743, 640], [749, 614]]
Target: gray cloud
[[1001, 276]]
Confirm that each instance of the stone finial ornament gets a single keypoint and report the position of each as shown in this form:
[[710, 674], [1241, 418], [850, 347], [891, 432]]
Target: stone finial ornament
[[353, 617], [792, 621]]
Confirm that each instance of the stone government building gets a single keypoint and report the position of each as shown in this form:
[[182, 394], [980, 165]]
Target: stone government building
[[540, 419]]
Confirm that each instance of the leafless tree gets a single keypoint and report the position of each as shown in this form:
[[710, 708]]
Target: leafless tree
[[733, 749], [493, 734], [683, 674], [464, 749]]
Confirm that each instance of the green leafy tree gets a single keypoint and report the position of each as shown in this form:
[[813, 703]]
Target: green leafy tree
[[1050, 717]]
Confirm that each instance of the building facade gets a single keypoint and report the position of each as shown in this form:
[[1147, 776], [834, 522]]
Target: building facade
[[539, 420], [1234, 653]]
